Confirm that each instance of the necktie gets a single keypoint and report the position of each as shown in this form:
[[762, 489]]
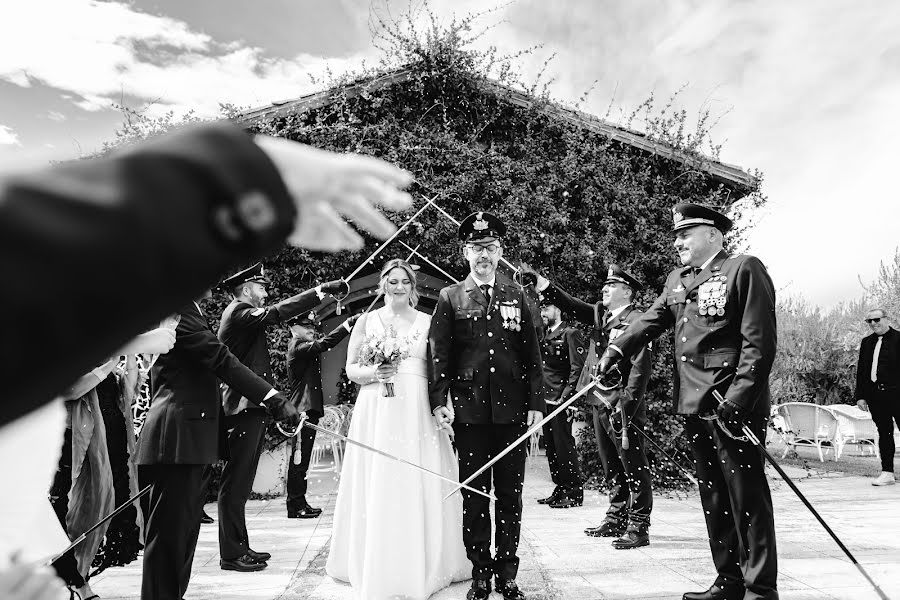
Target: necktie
[[487, 292], [875, 354]]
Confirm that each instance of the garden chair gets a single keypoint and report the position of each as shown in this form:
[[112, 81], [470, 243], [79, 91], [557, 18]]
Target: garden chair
[[534, 445], [332, 420], [809, 425], [855, 427]]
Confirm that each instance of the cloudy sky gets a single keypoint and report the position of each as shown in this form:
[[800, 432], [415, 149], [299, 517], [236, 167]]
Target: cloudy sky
[[808, 91]]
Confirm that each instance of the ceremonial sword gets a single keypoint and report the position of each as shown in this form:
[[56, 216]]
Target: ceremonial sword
[[751, 437], [343, 438]]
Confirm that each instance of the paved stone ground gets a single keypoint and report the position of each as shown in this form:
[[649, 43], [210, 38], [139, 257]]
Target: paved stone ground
[[560, 562]]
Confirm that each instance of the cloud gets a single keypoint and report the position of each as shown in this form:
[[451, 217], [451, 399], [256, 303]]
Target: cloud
[[55, 115], [8, 137], [99, 52]]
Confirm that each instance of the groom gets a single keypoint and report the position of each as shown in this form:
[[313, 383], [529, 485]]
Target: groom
[[486, 355]]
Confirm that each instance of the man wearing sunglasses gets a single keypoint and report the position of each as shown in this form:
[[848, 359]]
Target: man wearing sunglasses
[[878, 386]]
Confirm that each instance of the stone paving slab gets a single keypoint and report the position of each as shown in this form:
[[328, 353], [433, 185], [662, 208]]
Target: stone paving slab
[[560, 562]]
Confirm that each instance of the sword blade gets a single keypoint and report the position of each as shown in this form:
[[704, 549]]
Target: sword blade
[[398, 459], [524, 437], [683, 470]]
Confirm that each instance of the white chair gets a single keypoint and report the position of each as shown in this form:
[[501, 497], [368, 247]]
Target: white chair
[[332, 420], [855, 427], [809, 425], [534, 445]]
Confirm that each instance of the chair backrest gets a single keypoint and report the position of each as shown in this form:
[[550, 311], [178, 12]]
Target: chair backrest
[[809, 421]]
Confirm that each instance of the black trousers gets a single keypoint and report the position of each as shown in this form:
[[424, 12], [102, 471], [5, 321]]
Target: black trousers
[[296, 475], [245, 434], [561, 453], [477, 444], [66, 566], [737, 503], [885, 409], [627, 472], [172, 527]]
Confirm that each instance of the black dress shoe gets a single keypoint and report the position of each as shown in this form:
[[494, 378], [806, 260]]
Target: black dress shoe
[[635, 536], [568, 500], [244, 564], [258, 556], [509, 589], [307, 512], [206, 519], [606, 529], [728, 592], [552, 497], [480, 590]]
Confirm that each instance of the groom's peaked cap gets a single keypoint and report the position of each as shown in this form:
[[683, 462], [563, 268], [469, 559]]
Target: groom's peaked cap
[[481, 225], [256, 273]]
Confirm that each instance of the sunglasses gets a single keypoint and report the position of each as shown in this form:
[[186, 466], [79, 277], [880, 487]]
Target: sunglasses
[[870, 321]]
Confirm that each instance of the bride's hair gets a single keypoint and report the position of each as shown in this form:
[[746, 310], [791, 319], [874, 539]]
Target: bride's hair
[[399, 263]]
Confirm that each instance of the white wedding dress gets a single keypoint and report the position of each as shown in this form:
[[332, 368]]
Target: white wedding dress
[[394, 537]]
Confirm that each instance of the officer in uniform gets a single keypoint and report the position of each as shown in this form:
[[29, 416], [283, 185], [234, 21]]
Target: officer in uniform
[[487, 357], [181, 436], [626, 470], [304, 368], [562, 351], [243, 330], [722, 308]]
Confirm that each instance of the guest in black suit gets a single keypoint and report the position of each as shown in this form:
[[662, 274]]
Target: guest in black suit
[[304, 367], [243, 330], [486, 355], [626, 470], [722, 308], [170, 216], [562, 353], [182, 435], [878, 386]]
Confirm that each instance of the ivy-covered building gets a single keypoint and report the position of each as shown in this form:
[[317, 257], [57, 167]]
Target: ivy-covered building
[[577, 192]]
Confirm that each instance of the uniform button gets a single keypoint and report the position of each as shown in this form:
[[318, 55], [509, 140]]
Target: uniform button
[[683, 358], [684, 339], [490, 334], [492, 369], [685, 319], [488, 317], [491, 351], [688, 301], [203, 414]]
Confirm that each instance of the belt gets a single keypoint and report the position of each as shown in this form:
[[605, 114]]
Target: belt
[[885, 387]]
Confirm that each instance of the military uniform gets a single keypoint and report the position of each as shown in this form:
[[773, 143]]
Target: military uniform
[[626, 471], [304, 368], [725, 340], [243, 330], [486, 356], [181, 435], [562, 353]]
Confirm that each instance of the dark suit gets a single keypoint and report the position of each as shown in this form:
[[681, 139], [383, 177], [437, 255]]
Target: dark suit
[[732, 353], [562, 353], [164, 216], [243, 330], [882, 395], [488, 359], [181, 435], [627, 472], [304, 367]]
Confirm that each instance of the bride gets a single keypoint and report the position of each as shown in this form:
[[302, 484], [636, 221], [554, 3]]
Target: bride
[[394, 536]]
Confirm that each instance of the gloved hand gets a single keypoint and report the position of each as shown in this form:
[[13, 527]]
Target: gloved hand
[[731, 414], [337, 286], [529, 275], [609, 358], [282, 410]]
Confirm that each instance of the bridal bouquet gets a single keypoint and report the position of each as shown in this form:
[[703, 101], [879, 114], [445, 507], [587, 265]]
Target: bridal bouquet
[[385, 349]]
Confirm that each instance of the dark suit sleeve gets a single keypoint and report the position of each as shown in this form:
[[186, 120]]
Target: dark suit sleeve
[[863, 369], [647, 328], [532, 358], [581, 310], [577, 351], [197, 341], [759, 336], [638, 378], [310, 349], [166, 218], [295, 305], [440, 343]]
